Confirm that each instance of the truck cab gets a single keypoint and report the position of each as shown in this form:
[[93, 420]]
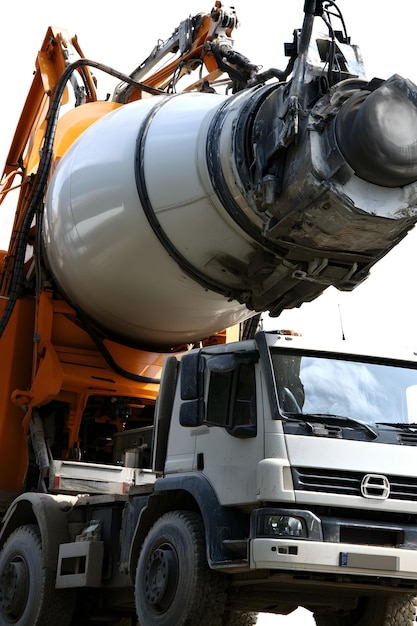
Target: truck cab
[[309, 454]]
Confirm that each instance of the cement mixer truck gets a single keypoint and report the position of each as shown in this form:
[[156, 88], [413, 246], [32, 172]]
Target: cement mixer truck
[[163, 459]]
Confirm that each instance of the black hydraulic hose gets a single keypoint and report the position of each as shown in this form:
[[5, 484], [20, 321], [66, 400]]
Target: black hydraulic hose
[[338, 14], [108, 357], [43, 171]]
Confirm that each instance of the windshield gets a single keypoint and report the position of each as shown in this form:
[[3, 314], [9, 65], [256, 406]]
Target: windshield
[[370, 392]]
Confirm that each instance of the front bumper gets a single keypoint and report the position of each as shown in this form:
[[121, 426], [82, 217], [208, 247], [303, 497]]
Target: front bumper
[[332, 558], [321, 547]]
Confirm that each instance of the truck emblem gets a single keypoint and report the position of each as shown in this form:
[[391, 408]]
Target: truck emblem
[[375, 486]]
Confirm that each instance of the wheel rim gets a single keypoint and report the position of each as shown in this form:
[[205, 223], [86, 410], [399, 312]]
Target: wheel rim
[[14, 589], [161, 578]]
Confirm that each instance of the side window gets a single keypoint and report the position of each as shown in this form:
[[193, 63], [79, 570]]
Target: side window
[[220, 392], [232, 401]]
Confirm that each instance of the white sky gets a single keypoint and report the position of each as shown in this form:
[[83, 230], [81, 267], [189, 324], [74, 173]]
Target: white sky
[[122, 34]]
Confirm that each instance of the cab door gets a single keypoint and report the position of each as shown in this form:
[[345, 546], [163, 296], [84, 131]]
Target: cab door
[[229, 444]]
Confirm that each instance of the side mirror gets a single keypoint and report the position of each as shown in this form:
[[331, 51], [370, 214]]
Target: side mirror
[[191, 407], [190, 364], [190, 413]]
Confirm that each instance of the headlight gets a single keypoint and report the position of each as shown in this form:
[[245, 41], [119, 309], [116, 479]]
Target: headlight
[[283, 526]]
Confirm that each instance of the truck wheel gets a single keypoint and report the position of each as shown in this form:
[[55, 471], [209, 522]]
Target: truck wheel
[[174, 584], [27, 590], [236, 618], [388, 611]]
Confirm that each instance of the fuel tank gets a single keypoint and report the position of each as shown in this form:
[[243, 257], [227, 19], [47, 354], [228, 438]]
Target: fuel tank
[[173, 217]]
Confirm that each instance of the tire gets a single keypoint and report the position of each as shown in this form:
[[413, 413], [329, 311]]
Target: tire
[[27, 590], [174, 585], [399, 610], [236, 618], [124, 621]]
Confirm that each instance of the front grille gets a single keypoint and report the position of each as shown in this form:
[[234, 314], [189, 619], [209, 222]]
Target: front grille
[[340, 482], [408, 438]]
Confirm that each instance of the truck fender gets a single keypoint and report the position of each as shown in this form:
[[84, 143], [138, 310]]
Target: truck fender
[[49, 512], [190, 492]]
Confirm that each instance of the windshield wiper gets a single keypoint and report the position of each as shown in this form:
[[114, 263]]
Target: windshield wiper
[[398, 425], [342, 419]]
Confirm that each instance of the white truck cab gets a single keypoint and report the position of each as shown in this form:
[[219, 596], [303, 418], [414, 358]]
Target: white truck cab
[[312, 450]]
